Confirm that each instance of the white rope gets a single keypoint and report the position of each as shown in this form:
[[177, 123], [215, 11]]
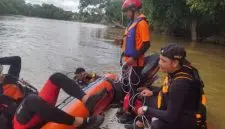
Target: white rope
[[143, 118], [126, 75], [131, 101]]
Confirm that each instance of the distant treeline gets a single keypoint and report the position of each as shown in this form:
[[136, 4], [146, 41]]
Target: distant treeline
[[19, 7]]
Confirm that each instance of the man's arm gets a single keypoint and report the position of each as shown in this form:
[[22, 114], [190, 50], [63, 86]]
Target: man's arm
[[145, 36], [144, 48], [176, 99], [14, 63]]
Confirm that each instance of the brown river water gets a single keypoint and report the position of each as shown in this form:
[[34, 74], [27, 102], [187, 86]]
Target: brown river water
[[47, 46]]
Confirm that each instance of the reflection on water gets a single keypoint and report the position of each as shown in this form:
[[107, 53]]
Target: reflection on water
[[47, 46]]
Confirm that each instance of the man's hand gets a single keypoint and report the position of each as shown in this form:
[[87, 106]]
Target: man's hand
[[140, 111], [146, 92], [130, 62], [140, 89]]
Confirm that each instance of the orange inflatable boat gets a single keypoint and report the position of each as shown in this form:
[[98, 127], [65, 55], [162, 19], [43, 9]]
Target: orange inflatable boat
[[77, 108]]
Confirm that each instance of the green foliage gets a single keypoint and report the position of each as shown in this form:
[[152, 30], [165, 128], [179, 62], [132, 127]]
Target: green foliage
[[101, 11], [92, 10], [170, 16], [166, 13], [12, 6], [84, 4], [46, 10], [113, 11], [173, 15], [207, 7]]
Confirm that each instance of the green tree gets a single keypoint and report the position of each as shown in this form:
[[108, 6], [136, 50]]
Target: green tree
[[12, 6], [45, 10], [113, 11], [188, 17], [87, 3], [212, 14]]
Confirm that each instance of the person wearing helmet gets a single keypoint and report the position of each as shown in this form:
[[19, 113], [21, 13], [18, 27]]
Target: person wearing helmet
[[181, 101], [136, 42]]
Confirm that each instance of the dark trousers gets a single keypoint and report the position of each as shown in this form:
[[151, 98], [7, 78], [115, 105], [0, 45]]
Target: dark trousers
[[42, 107]]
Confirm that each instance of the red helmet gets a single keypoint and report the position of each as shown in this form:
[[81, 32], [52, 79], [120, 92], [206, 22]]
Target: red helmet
[[132, 4]]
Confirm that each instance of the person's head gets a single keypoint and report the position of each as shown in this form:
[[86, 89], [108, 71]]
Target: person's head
[[172, 57], [79, 73], [81, 76], [131, 7], [79, 70]]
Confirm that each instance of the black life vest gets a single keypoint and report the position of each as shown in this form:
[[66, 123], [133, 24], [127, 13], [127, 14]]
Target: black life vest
[[200, 115]]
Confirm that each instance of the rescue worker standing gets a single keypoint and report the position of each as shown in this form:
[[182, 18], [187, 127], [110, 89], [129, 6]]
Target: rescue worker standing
[[136, 41]]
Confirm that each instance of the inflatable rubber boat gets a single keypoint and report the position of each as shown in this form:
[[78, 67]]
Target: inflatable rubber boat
[[110, 82]]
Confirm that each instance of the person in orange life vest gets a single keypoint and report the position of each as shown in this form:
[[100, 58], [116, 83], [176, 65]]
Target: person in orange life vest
[[136, 42], [180, 99], [29, 111]]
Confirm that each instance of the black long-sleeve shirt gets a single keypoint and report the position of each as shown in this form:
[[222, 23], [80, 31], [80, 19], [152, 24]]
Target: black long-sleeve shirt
[[177, 92], [14, 63], [146, 45], [183, 97]]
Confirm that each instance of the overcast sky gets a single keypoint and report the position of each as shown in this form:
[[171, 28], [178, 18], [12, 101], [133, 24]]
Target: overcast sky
[[69, 5]]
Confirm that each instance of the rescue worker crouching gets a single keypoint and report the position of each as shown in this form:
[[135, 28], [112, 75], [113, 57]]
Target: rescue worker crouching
[[181, 101]]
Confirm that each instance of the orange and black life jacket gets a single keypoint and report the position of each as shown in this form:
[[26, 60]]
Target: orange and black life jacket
[[200, 115], [12, 91], [10, 97]]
